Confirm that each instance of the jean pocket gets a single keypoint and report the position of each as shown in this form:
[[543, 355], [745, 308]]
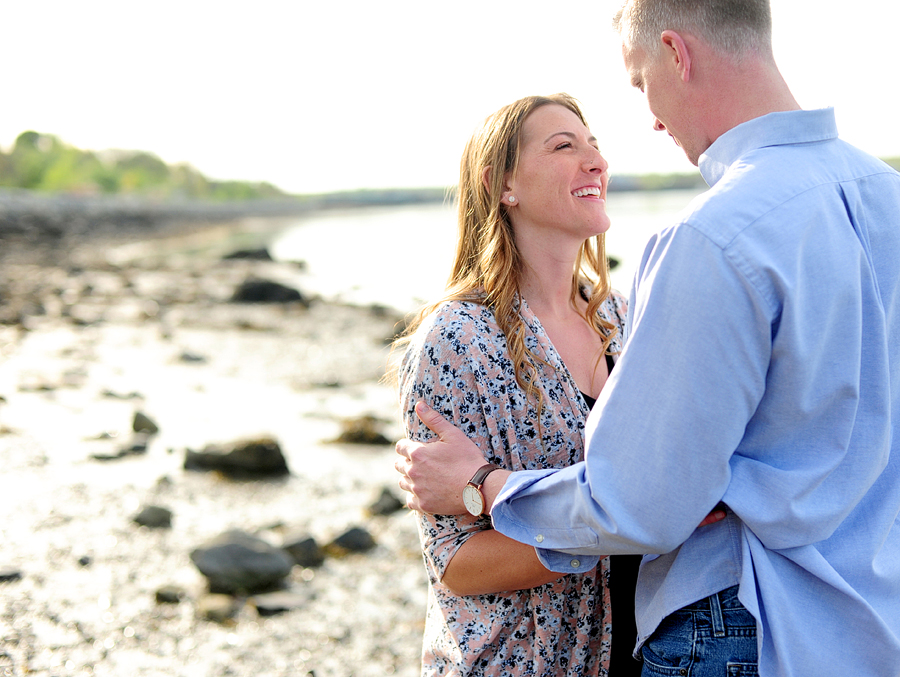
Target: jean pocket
[[669, 665]]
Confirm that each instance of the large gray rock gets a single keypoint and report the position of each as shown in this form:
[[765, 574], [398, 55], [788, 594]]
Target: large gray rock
[[362, 430], [267, 291], [154, 517], [244, 460], [354, 540], [144, 424], [386, 504], [304, 549], [237, 562]]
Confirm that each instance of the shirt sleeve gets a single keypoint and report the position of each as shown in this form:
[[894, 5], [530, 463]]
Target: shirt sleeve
[[662, 434]]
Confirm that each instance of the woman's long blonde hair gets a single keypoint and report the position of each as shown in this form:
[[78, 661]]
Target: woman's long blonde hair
[[488, 266]]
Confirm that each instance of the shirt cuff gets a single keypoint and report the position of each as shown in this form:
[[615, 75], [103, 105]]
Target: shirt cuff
[[505, 523], [563, 563]]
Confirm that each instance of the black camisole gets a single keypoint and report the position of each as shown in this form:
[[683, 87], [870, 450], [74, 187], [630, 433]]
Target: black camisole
[[623, 571]]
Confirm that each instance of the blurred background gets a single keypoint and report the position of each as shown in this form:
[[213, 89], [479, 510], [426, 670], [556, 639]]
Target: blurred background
[[318, 96]]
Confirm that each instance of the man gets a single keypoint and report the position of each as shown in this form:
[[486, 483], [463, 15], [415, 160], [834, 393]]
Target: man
[[762, 370]]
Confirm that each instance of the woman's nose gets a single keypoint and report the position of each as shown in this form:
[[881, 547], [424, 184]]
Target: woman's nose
[[596, 162], [658, 126]]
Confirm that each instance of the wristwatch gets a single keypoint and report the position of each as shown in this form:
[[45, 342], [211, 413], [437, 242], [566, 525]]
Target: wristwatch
[[472, 496]]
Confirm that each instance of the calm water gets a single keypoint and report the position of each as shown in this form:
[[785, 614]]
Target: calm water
[[401, 256]]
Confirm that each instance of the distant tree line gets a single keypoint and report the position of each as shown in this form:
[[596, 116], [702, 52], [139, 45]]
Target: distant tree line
[[41, 162]]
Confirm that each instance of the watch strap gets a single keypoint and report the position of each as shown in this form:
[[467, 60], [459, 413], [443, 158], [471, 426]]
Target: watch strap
[[481, 474]]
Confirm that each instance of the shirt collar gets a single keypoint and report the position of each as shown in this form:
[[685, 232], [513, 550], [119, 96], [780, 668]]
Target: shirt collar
[[774, 129]]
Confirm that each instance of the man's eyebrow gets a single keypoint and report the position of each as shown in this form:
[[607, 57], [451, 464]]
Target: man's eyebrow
[[571, 135]]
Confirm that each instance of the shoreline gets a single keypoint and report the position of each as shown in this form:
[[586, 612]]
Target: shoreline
[[90, 336]]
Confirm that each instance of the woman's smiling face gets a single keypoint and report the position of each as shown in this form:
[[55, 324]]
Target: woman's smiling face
[[560, 181]]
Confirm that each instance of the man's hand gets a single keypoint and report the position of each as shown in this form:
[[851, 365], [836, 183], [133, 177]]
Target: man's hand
[[434, 474]]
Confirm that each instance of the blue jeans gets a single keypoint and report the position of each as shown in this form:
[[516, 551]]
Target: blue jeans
[[715, 637]]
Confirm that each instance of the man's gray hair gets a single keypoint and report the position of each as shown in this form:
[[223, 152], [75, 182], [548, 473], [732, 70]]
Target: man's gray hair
[[735, 27]]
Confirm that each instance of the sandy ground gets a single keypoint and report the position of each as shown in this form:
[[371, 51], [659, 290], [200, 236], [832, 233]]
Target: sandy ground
[[102, 330]]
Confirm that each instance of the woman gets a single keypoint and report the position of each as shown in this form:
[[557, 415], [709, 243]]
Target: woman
[[522, 342]]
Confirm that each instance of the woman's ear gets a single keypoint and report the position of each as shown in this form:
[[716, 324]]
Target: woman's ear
[[486, 178], [507, 197]]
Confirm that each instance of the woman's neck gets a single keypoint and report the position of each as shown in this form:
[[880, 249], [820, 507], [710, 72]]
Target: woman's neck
[[546, 281]]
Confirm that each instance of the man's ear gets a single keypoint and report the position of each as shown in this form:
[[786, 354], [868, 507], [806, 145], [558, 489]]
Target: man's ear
[[676, 49]]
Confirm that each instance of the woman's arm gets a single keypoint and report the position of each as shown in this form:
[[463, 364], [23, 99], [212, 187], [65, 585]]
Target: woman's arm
[[463, 552], [489, 562]]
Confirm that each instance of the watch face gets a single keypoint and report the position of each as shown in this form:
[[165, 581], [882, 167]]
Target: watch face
[[473, 500]]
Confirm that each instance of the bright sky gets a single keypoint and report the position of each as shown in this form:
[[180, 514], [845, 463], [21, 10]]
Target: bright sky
[[319, 95]]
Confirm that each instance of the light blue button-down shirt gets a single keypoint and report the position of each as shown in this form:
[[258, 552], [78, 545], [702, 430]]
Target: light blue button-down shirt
[[762, 369]]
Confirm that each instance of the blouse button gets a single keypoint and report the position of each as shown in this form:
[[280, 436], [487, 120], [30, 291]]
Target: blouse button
[[539, 538], [575, 563]]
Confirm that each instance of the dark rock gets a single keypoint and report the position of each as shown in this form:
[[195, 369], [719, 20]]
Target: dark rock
[[386, 504], [261, 254], [247, 459], [305, 551], [192, 358], [271, 603], [143, 424], [138, 445], [170, 594], [10, 575], [267, 291], [218, 608], [114, 456], [111, 394], [85, 561], [154, 517], [353, 540], [239, 562], [362, 430]]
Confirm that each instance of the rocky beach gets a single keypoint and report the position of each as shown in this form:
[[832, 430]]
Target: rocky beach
[[197, 463]]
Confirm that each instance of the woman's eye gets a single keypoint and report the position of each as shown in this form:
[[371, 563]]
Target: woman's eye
[[564, 145]]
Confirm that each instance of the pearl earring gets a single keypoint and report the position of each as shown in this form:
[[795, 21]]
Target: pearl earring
[[512, 199]]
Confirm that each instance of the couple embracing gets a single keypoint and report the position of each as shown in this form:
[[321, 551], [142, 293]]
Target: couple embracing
[[735, 421]]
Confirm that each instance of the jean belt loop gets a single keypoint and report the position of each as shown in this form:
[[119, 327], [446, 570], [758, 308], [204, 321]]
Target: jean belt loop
[[718, 621]]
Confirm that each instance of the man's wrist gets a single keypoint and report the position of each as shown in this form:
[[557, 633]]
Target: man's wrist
[[492, 487]]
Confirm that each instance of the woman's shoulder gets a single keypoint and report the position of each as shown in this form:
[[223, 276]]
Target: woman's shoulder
[[454, 332], [459, 315]]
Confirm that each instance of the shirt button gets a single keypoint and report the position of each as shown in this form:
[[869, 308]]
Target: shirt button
[[539, 538], [575, 563]]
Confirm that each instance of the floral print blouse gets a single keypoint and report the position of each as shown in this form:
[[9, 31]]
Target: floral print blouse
[[458, 363]]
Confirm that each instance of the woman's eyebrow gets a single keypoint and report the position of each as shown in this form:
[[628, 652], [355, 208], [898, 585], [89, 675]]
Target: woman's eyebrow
[[571, 135]]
